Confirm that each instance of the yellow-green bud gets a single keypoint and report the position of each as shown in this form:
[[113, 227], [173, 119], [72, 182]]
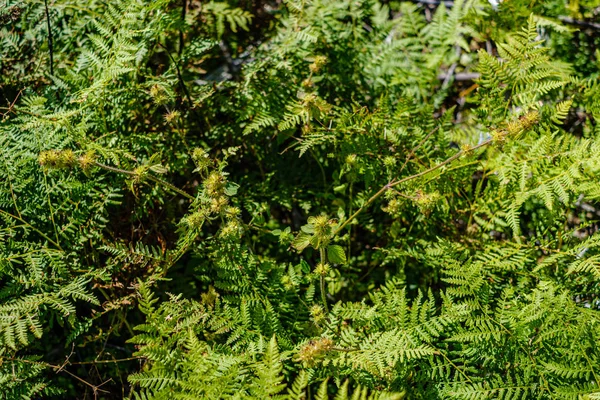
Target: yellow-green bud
[[214, 184], [322, 269], [171, 116], [314, 349], [317, 64], [218, 204], [87, 160], [195, 220], [317, 313], [231, 230]]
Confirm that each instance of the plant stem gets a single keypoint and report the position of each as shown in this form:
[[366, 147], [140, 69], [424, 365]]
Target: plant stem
[[403, 180], [49, 38], [33, 228], [322, 282], [183, 12], [151, 177]]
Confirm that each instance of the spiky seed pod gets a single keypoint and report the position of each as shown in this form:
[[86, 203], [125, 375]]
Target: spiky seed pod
[[218, 204], [231, 230], [393, 207], [513, 128], [139, 174], [86, 161], [498, 137], [201, 159], [529, 119], [314, 349], [232, 212], [195, 220], [321, 225], [322, 269], [67, 159], [172, 116], [317, 313], [48, 158], [158, 94], [214, 184], [317, 64], [56, 159], [466, 149]]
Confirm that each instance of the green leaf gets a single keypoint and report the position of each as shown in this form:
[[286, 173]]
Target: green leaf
[[231, 189], [308, 228], [336, 254], [301, 241]]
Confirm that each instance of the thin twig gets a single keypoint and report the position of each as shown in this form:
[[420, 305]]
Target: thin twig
[[403, 180], [33, 228], [322, 282], [183, 11], [412, 152], [117, 360], [149, 176], [578, 22], [179, 76], [49, 38], [461, 76]]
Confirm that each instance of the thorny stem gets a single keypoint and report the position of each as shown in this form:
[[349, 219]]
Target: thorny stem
[[322, 281], [172, 187], [397, 181], [151, 177], [49, 38]]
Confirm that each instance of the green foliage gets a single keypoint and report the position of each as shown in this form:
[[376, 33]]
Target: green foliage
[[308, 199]]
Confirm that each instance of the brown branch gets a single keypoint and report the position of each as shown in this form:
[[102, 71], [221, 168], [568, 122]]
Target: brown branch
[[49, 38], [578, 22], [461, 76]]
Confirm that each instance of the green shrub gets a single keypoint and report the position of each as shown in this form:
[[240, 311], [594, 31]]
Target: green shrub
[[307, 200]]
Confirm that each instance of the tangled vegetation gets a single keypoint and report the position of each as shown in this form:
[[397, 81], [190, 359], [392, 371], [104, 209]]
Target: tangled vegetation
[[300, 199]]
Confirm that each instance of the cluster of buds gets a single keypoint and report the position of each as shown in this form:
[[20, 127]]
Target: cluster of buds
[[231, 230], [214, 201], [196, 219], [322, 228], [314, 350], [393, 207], [61, 159], [426, 201], [317, 64], [317, 314], [218, 204], [172, 116], [158, 94], [322, 269], [516, 127], [201, 159], [214, 184]]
